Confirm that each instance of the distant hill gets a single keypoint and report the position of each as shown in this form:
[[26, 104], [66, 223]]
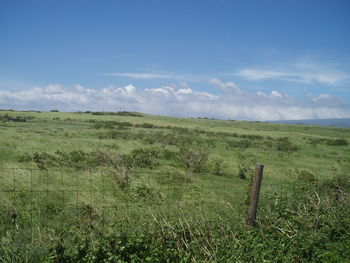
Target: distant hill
[[343, 122]]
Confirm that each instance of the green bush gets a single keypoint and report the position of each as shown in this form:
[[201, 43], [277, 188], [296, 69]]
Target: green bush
[[330, 142], [141, 158], [285, 145], [194, 159], [219, 166], [337, 142], [44, 159], [244, 172], [112, 124], [145, 190], [146, 125], [243, 144], [76, 159], [306, 177]]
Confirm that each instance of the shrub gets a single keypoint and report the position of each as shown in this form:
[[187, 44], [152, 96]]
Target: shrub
[[91, 120], [218, 167], [7, 117], [123, 176], [243, 144], [149, 138], [44, 159], [104, 125], [244, 171], [76, 159], [111, 124], [285, 145], [337, 142], [315, 141], [330, 142], [146, 125], [306, 177], [25, 158], [114, 134], [252, 136], [194, 159], [145, 190], [168, 154], [339, 187], [141, 158]]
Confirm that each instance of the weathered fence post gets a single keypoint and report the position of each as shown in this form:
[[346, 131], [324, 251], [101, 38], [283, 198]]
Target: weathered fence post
[[254, 196]]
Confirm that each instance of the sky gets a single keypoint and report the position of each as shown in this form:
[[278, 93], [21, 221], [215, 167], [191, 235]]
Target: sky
[[228, 59]]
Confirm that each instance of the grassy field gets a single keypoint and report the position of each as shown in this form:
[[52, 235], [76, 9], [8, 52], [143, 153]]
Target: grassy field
[[131, 187]]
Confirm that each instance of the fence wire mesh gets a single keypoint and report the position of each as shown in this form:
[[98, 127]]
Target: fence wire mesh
[[36, 203]]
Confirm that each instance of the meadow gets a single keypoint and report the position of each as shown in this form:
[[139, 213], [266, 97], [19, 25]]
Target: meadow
[[132, 187]]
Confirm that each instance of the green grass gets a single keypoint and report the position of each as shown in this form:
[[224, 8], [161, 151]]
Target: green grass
[[176, 178]]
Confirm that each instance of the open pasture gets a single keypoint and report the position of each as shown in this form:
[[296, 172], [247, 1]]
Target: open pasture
[[131, 187]]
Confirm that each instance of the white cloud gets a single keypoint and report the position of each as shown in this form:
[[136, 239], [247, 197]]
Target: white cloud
[[258, 74], [229, 86], [54, 88], [185, 91], [181, 93], [325, 96], [301, 73], [182, 101], [274, 94], [163, 91]]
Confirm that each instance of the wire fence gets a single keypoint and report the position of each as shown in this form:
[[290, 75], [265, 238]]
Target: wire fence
[[37, 202]]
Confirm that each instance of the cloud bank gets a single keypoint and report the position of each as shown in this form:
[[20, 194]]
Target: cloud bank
[[181, 101]]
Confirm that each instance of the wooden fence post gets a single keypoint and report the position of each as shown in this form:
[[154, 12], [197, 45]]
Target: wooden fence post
[[254, 196]]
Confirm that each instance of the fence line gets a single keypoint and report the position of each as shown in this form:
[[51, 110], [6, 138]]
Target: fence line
[[36, 201], [33, 194]]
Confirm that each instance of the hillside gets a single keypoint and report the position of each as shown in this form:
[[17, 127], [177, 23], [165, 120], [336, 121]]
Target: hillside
[[111, 177]]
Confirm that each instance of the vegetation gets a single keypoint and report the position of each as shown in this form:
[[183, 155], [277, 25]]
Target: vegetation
[[131, 187]]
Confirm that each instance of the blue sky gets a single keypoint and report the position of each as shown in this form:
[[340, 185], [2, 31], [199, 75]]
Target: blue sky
[[253, 60]]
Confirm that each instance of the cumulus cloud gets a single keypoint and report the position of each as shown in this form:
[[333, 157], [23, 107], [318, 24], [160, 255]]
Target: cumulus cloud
[[229, 86], [181, 93], [182, 101]]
